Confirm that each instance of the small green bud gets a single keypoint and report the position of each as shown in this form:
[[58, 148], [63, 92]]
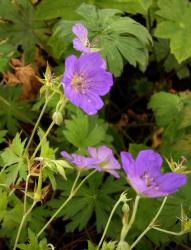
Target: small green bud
[[37, 196], [57, 117], [125, 208], [123, 245]]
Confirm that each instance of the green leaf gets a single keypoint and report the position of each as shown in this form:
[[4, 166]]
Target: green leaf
[[91, 246], [119, 38], [13, 159], [137, 6], [83, 131], [6, 52], [46, 151], [166, 106], [33, 243], [2, 134], [94, 196], [175, 25], [13, 110], [48, 9], [20, 27]]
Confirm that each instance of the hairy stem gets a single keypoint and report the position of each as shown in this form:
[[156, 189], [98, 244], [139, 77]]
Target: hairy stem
[[37, 124], [41, 141], [109, 220], [22, 223], [150, 224], [169, 232], [126, 228], [73, 191]]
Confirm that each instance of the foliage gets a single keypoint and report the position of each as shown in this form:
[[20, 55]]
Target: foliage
[[13, 110], [14, 162], [83, 131], [146, 45], [172, 112], [127, 39], [95, 196], [175, 25], [20, 27]]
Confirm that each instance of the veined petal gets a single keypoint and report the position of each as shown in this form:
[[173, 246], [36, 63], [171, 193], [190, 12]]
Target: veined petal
[[90, 103], [81, 32], [148, 161], [70, 67], [99, 81], [89, 62], [79, 46], [128, 163], [170, 182]]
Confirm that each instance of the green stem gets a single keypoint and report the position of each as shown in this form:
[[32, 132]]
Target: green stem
[[41, 141], [37, 123], [150, 224], [125, 228], [47, 132], [109, 221], [25, 194], [22, 223], [169, 232], [71, 195]]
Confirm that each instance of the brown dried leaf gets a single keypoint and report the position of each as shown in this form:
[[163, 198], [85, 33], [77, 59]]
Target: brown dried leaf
[[157, 138], [24, 75]]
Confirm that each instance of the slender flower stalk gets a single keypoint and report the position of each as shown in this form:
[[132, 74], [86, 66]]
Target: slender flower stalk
[[41, 141], [168, 232], [47, 132], [36, 125], [25, 193], [22, 223], [122, 198], [73, 191], [128, 226], [150, 226]]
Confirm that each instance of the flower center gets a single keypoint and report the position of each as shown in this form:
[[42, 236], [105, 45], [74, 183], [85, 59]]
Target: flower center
[[78, 83], [150, 182]]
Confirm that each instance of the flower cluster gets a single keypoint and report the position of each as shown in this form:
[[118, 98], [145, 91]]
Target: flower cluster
[[101, 159], [143, 174], [85, 78]]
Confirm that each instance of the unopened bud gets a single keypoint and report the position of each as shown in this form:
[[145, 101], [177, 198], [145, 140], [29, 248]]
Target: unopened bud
[[57, 117]]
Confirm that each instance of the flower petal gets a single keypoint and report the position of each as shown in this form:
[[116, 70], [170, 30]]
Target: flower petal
[[81, 32], [70, 67], [170, 182], [128, 163], [148, 161], [89, 61], [99, 81], [90, 103]]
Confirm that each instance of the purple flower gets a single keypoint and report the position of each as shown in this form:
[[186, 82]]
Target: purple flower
[[106, 160], [81, 42], [144, 174], [80, 161], [85, 80]]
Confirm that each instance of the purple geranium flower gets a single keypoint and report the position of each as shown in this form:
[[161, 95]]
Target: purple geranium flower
[[81, 42], [106, 160], [85, 80], [145, 177], [80, 161]]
